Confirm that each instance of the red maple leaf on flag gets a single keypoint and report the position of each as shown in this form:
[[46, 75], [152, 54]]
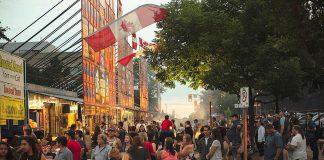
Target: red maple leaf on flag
[[126, 26]]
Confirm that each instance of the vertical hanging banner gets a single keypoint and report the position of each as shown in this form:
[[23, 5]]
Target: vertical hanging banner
[[124, 26], [11, 87]]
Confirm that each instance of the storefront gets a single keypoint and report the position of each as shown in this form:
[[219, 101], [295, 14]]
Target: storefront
[[53, 111], [129, 114], [94, 116]]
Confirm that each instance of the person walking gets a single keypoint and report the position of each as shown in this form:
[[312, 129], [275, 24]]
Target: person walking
[[113, 141], [260, 137], [168, 153], [127, 143], [148, 146], [137, 151], [311, 136], [125, 125], [29, 149], [101, 151], [84, 150], [233, 135], [188, 129], [6, 152], [187, 148], [215, 151], [64, 153], [284, 126], [94, 137], [73, 145], [166, 129], [297, 146], [205, 143], [273, 145]]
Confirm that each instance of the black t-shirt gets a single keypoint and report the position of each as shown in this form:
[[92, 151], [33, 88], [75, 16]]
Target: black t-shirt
[[188, 130], [138, 154]]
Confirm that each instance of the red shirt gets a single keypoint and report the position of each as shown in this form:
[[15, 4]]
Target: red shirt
[[75, 148], [166, 124], [149, 147]]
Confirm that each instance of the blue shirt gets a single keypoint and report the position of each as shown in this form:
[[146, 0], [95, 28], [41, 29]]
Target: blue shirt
[[311, 125], [100, 154], [64, 154], [272, 143]]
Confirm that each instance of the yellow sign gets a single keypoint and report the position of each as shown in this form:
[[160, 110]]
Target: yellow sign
[[11, 108], [3, 122]]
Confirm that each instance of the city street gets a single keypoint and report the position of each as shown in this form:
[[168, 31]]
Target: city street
[[161, 79]]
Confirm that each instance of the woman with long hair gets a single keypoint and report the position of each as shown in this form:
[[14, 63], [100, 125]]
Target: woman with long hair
[[137, 151], [94, 137], [6, 152], [127, 143], [148, 145], [215, 151], [297, 146], [141, 129], [187, 148], [169, 152], [30, 150]]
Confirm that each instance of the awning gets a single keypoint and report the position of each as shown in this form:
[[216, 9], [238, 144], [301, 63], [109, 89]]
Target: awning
[[61, 97]]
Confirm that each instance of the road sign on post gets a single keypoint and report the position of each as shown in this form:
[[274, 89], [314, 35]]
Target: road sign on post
[[244, 97], [244, 103]]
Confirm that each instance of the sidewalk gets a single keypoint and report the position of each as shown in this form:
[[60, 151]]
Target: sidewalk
[[309, 155]]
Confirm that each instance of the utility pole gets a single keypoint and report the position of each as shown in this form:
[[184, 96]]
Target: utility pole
[[210, 111]]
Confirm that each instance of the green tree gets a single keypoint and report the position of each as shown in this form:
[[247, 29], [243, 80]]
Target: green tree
[[274, 47], [2, 33], [270, 46]]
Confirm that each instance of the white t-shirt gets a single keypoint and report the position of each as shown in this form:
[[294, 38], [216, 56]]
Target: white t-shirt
[[218, 153], [300, 151]]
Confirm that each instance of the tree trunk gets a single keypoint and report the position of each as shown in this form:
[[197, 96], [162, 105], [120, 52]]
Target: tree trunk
[[251, 119]]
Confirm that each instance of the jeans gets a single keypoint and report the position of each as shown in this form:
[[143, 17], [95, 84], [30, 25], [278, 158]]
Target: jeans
[[314, 148]]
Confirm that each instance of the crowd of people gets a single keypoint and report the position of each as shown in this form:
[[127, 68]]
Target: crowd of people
[[276, 137]]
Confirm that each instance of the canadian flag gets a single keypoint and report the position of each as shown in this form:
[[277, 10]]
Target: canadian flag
[[142, 43], [134, 41], [124, 61], [124, 26]]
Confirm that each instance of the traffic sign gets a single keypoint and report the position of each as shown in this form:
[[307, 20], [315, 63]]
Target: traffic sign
[[244, 97]]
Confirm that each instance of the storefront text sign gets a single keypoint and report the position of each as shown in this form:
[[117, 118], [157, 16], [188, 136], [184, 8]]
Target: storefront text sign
[[11, 69], [11, 87]]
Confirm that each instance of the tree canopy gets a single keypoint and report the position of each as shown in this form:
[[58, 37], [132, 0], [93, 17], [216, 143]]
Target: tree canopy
[[2, 33], [271, 46]]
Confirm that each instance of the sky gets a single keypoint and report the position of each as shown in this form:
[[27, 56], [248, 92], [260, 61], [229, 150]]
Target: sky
[[18, 14]]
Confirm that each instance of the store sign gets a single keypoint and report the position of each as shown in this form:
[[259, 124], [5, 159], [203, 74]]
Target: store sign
[[11, 90], [11, 69], [11, 108]]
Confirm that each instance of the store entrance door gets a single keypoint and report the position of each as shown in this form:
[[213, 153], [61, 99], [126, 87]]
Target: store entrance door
[[49, 125]]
